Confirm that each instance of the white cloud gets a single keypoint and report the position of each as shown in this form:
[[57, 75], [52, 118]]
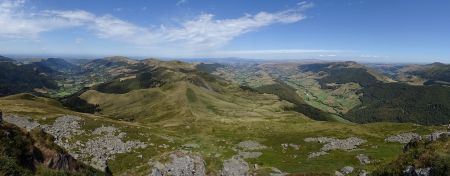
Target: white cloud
[[16, 23], [181, 2], [200, 33]]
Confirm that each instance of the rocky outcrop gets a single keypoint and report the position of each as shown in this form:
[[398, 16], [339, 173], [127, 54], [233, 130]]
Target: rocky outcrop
[[180, 163], [334, 144], [22, 122], [63, 162], [104, 147], [33, 150], [235, 166], [403, 138], [317, 154], [412, 171], [105, 141], [63, 129], [347, 170], [437, 135]]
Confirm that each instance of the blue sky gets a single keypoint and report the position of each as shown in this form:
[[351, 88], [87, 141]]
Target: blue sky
[[361, 30]]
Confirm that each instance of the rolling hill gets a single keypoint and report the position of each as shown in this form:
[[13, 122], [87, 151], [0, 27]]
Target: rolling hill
[[347, 90], [24, 78]]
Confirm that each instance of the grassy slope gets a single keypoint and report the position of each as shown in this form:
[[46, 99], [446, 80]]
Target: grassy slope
[[220, 134]]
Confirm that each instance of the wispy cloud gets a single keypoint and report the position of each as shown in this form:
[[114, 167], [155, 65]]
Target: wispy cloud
[[203, 31], [181, 2], [17, 23]]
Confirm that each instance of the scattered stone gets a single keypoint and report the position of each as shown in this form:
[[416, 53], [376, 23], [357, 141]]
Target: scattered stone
[[317, 154], [180, 164], [295, 146], [363, 159], [409, 170], [191, 146], [337, 144], [448, 127], [347, 170], [343, 144], [337, 173], [284, 146], [246, 155], [319, 139], [423, 171], [277, 172], [438, 135], [251, 145], [22, 122], [104, 130], [235, 166], [403, 138], [168, 138], [103, 148], [64, 127]]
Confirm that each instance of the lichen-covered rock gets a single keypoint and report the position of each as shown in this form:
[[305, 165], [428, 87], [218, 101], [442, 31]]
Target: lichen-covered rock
[[104, 147], [180, 164], [336, 144], [347, 170], [235, 166], [438, 135], [22, 122], [251, 145], [403, 138], [317, 154]]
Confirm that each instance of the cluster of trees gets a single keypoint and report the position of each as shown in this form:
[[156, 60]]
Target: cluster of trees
[[397, 102]]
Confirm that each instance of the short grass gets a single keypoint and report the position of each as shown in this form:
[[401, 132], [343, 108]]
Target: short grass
[[218, 135]]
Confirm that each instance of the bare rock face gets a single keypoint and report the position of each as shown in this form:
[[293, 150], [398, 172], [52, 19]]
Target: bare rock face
[[22, 122], [403, 138], [63, 162], [104, 147], [235, 166], [180, 164]]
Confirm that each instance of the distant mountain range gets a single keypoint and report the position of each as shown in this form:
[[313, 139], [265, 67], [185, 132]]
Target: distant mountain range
[[141, 117], [321, 91]]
